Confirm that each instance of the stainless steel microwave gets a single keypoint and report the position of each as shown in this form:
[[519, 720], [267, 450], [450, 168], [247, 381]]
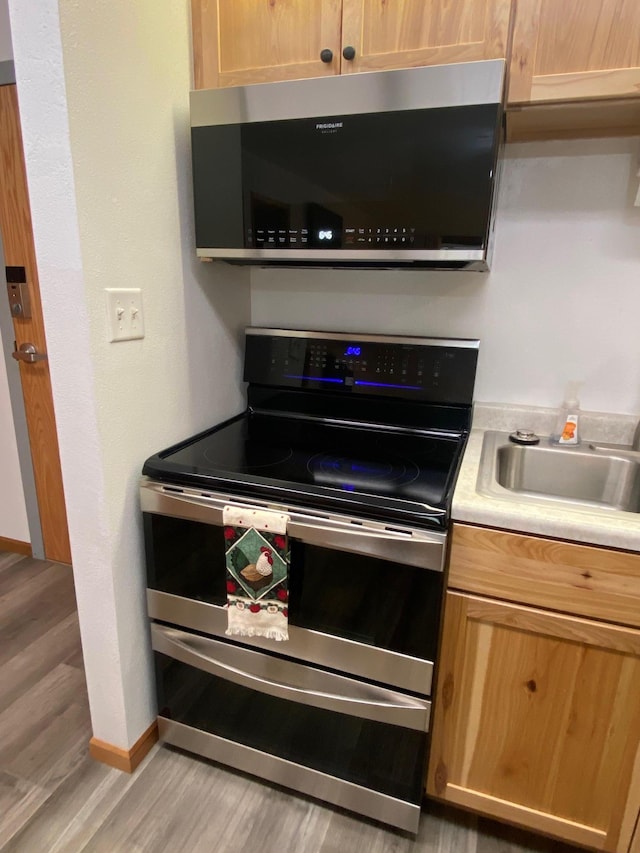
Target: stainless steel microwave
[[381, 169]]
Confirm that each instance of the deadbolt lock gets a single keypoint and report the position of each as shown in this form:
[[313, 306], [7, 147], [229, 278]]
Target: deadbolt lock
[[19, 299]]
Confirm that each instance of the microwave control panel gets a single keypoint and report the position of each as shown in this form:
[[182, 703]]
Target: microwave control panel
[[380, 237]]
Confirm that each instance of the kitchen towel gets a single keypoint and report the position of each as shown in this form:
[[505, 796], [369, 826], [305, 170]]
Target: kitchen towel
[[257, 572]]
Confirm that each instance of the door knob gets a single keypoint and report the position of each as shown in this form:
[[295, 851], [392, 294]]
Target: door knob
[[349, 52], [326, 55], [29, 353]]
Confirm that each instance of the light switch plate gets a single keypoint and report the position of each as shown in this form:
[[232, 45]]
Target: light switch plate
[[124, 313]]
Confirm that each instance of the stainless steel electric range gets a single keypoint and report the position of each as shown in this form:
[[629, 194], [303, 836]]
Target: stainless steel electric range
[[358, 439]]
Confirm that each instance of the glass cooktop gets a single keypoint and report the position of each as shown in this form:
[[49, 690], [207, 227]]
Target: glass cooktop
[[361, 470]]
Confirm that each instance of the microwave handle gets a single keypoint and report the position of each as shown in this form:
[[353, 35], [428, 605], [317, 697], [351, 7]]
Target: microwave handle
[[424, 550], [302, 684]]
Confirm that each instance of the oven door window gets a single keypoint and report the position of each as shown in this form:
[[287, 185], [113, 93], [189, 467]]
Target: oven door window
[[185, 558], [371, 601]]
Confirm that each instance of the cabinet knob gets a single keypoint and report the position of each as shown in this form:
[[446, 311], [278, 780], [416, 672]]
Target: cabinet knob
[[326, 55], [349, 52]]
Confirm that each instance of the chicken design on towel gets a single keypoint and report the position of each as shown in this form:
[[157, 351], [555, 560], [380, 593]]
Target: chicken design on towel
[[257, 572], [257, 575]]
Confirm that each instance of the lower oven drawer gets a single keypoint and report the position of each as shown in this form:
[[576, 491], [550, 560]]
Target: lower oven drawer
[[357, 745]]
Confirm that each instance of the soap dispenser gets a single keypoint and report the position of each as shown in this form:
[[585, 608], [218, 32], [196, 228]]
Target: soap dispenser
[[567, 430]]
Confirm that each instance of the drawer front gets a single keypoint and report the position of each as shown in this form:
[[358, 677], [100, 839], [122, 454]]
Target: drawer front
[[563, 576], [352, 743]]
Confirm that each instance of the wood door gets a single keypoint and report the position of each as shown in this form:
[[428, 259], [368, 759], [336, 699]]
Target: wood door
[[236, 42], [537, 720], [17, 239], [575, 50], [407, 33]]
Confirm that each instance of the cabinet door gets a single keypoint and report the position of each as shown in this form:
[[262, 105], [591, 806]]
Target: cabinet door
[[406, 33], [575, 50], [537, 720], [236, 42]]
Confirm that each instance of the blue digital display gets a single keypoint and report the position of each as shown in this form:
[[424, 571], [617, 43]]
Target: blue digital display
[[314, 378], [389, 385], [352, 350]]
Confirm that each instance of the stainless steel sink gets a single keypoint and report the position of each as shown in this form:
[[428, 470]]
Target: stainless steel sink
[[590, 475]]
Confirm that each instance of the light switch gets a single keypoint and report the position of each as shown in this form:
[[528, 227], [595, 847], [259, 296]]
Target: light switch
[[124, 313]]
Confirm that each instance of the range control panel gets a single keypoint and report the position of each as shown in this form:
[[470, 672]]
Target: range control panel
[[433, 369]]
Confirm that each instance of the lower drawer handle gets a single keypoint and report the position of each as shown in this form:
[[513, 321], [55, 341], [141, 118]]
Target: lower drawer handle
[[384, 705]]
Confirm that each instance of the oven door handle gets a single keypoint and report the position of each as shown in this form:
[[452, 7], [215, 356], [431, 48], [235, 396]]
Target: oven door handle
[[423, 550], [285, 679]]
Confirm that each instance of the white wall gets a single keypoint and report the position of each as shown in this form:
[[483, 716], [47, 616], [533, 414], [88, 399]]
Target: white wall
[[562, 300], [107, 158]]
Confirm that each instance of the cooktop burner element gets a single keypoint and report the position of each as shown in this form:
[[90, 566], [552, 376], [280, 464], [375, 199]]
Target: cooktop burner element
[[257, 456], [387, 446], [351, 473]]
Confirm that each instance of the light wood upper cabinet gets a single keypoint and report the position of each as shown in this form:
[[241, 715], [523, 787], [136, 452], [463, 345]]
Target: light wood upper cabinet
[[537, 720], [407, 33], [236, 42], [575, 50]]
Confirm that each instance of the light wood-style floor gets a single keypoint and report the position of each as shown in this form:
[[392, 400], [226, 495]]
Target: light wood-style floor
[[55, 799]]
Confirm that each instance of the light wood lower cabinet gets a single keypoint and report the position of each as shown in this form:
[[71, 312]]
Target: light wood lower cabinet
[[537, 720], [585, 580]]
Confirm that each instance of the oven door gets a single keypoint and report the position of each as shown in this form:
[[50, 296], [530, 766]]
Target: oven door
[[365, 597], [357, 745]]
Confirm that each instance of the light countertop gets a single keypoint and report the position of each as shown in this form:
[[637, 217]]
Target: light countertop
[[595, 526]]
